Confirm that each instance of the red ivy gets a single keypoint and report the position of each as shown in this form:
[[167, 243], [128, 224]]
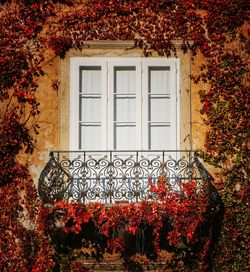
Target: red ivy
[[29, 28], [184, 210]]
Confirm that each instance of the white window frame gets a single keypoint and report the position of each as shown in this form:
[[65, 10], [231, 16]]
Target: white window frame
[[107, 65]]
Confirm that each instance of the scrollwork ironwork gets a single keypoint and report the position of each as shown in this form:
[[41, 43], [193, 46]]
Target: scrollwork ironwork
[[112, 176]]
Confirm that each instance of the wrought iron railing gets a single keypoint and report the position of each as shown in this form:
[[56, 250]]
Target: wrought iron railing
[[110, 176]]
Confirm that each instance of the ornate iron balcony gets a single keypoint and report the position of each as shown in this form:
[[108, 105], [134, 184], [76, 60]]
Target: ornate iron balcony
[[110, 176]]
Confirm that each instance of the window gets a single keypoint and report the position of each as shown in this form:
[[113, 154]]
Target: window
[[124, 103]]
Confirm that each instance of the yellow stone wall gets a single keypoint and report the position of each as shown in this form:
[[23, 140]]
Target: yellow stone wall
[[54, 105]]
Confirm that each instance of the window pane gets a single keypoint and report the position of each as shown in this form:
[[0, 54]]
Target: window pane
[[125, 109], [159, 109], [159, 80], [125, 136], [90, 137], [159, 137], [125, 78], [90, 79], [90, 109]]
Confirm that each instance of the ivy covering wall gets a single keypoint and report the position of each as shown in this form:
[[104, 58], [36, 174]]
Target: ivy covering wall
[[216, 29]]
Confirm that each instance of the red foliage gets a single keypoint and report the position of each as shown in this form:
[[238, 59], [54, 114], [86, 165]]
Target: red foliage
[[184, 210], [29, 28]]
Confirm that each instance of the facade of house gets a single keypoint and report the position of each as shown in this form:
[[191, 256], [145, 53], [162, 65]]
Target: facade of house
[[119, 119], [119, 123]]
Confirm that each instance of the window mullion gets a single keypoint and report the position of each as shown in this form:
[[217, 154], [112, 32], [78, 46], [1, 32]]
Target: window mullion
[[110, 106], [104, 106], [139, 105], [144, 106], [75, 83]]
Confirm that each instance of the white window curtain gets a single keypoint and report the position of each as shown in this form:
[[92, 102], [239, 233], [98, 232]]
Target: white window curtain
[[159, 108], [90, 108], [124, 93]]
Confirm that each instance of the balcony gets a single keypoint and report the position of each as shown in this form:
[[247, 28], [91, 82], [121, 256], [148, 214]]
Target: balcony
[[113, 177]]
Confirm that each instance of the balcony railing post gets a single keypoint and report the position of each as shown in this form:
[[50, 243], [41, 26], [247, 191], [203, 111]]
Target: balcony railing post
[[51, 154], [58, 156], [84, 180], [163, 164], [136, 177], [190, 164], [110, 191]]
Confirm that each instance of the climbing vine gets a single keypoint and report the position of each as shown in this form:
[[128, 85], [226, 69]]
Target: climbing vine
[[154, 225], [216, 29]]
